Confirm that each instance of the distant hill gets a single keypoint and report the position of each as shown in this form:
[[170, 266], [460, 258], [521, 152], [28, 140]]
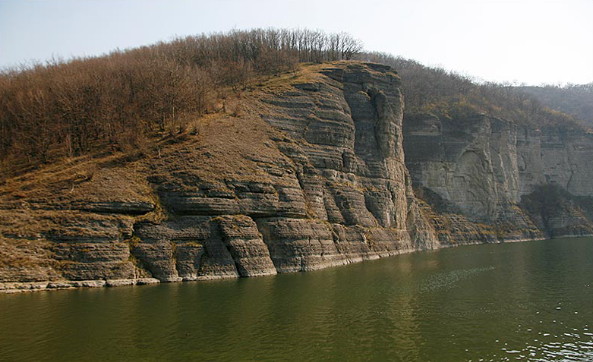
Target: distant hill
[[576, 100], [269, 151], [120, 100], [125, 100], [450, 95]]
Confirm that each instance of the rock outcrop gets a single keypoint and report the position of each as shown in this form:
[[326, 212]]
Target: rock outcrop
[[309, 173], [312, 176], [482, 168]]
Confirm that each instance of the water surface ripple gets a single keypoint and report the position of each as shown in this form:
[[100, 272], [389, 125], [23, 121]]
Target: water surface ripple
[[521, 301]]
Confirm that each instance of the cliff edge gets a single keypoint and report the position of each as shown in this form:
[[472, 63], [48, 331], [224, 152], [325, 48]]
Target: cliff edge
[[525, 181], [308, 173], [305, 171]]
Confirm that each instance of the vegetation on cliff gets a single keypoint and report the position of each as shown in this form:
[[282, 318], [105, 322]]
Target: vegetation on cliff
[[454, 96], [255, 161], [118, 100], [576, 100]]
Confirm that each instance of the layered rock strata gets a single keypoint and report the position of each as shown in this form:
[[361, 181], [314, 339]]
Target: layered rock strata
[[482, 167], [322, 183], [309, 173]]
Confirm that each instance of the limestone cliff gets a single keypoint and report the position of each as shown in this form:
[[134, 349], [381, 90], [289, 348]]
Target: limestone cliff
[[304, 171], [311, 174], [488, 170]]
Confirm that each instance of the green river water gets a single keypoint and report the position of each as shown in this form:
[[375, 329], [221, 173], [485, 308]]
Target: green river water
[[526, 301]]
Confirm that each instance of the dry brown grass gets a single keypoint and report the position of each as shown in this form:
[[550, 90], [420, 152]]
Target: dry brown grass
[[228, 143], [119, 101], [215, 148]]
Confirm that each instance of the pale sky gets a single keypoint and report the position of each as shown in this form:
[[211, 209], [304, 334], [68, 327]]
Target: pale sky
[[530, 41]]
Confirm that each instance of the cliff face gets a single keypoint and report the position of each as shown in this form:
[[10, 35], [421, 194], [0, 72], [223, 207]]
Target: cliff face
[[473, 164], [311, 175], [483, 167], [335, 192], [306, 172]]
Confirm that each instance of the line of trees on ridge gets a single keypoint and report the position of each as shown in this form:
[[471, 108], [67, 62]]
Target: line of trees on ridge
[[59, 109], [118, 101], [452, 95]]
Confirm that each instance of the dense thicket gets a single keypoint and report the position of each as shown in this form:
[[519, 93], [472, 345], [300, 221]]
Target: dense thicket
[[576, 100], [448, 94], [70, 108]]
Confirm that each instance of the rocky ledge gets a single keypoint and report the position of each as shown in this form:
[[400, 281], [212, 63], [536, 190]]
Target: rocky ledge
[[311, 174]]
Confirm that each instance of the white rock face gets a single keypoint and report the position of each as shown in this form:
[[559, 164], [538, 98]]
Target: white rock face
[[567, 159], [473, 165], [483, 165], [553, 156]]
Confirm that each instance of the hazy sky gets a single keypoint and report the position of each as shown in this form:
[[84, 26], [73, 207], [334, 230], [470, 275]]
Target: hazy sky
[[539, 41]]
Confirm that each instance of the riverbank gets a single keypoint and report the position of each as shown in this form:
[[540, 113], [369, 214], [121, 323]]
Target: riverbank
[[498, 302], [22, 287]]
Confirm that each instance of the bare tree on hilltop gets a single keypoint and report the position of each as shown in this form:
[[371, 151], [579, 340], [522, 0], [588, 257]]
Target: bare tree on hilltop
[[71, 108]]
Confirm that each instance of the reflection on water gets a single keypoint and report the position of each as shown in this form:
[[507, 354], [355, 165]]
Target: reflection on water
[[528, 301]]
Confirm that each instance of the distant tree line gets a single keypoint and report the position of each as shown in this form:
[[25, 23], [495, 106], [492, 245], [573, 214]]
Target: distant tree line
[[573, 99], [59, 109], [448, 94], [120, 100]]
